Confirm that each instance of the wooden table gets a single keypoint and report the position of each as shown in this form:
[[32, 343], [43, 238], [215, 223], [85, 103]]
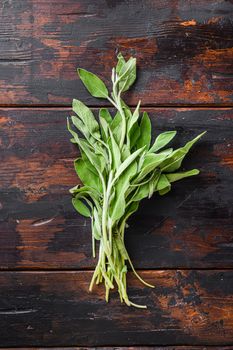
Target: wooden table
[[183, 242]]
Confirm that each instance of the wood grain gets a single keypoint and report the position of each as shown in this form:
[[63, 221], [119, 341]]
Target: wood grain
[[184, 49], [191, 227], [54, 308], [184, 52], [185, 347]]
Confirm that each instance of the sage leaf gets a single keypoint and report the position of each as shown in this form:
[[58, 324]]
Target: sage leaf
[[81, 207], [134, 135], [115, 126], [105, 122], [153, 183], [116, 155], [83, 129], [127, 162], [175, 160], [104, 113], [119, 203], [151, 161], [88, 174], [104, 129], [87, 117], [118, 206], [163, 185], [178, 176], [134, 117], [125, 152], [121, 62], [94, 84], [162, 140], [140, 193], [97, 161], [126, 72], [145, 132], [131, 208], [97, 230], [165, 190]]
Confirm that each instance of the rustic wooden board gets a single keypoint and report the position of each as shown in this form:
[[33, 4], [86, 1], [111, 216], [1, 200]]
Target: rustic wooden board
[[184, 49], [185, 347], [55, 309], [190, 227]]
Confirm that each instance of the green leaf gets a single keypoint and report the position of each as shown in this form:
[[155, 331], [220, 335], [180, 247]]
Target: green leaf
[[133, 128], [125, 152], [104, 113], [162, 140], [126, 72], [166, 152], [153, 183], [88, 174], [78, 123], [174, 161], [104, 129], [94, 84], [87, 117], [81, 207], [105, 120], [115, 126], [89, 194], [127, 162], [83, 129], [145, 132], [118, 204], [178, 176], [116, 154], [75, 138], [163, 185], [96, 225], [134, 117], [151, 161], [121, 62], [97, 161], [115, 122], [127, 111], [130, 209], [165, 190], [140, 192], [133, 136]]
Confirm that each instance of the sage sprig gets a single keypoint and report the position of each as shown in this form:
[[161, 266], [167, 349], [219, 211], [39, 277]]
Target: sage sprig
[[118, 166]]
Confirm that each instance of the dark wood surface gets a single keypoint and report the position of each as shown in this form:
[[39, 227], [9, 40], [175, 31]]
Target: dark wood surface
[[182, 347], [184, 49], [182, 242], [54, 308], [191, 227]]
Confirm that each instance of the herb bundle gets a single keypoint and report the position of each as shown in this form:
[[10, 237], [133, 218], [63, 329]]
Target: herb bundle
[[118, 166]]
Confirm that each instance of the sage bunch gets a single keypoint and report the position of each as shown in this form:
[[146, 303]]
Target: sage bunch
[[119, 165]]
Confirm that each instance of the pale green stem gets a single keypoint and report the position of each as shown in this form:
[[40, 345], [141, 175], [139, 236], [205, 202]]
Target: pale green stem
[[130, 262], [117, 104], [123, 131], [93, 240], [96, 269]]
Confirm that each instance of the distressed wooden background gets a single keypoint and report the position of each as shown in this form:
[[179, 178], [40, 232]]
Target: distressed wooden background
[[183, 242]]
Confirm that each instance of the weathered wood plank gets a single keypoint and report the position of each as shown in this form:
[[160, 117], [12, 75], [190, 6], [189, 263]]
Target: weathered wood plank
[[55, 309], [185, 347], [190, 227], [184, 49]]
